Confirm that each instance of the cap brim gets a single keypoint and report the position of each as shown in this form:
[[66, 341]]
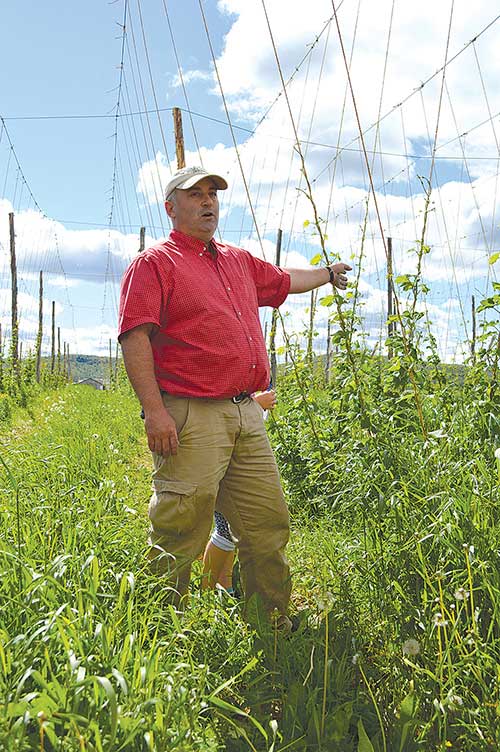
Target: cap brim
[[218, 180]]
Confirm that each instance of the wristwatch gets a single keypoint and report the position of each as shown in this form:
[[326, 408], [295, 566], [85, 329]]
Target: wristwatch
[[331, 272]]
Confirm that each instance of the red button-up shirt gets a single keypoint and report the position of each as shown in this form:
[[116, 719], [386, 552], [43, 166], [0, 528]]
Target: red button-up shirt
[[208, 339]]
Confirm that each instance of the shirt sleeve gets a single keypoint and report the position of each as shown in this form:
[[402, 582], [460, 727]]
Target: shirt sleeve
[[141, 296], [272, 283]]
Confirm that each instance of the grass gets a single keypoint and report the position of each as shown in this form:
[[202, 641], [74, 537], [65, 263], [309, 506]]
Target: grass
[[396, 584]]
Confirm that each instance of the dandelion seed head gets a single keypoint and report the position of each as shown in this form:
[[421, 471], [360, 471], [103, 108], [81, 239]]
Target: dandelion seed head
[[454, 701], [438, 620], [461, 594], [411, 647]]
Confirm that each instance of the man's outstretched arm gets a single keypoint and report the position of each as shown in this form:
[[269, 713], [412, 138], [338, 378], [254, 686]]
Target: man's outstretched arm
[[139, 364], [303, 280]]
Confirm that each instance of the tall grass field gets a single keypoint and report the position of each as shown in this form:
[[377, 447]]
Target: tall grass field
[[394, 549]]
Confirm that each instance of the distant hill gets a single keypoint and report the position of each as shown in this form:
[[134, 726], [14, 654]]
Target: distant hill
[[88, 366], [94, 366]]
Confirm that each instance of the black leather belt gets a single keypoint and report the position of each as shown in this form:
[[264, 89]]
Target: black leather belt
[[239, 397]]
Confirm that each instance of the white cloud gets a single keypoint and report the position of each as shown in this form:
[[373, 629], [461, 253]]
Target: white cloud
[[188, 76]]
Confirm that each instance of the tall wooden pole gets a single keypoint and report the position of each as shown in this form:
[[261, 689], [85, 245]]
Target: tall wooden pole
[[69, 363], [310, 334], [179, 138], [53, 344], [1, 355], [328, 351], [110, 365], [473, 341], [390, 324], [117, 355], [39, 335], [13, 276], [142, 239], [274, 319], [58, 349]]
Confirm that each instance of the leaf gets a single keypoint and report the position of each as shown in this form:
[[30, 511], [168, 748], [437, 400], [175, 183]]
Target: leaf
[[223, 705], [327, 301], [494, 258], [316, 259], [306, 223], [364, 744]]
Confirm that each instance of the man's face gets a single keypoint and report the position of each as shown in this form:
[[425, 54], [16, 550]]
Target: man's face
[[195, 211]]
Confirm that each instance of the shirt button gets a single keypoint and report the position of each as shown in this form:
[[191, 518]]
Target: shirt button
[[200, 254], [239, 313], [229, 289], [250, 339], [253, 365]]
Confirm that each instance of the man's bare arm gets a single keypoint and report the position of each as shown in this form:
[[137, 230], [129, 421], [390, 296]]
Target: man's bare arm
[[303, 280], [138, 358]]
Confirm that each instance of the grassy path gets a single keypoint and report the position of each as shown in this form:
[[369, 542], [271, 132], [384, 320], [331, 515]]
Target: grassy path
[[92, 659]]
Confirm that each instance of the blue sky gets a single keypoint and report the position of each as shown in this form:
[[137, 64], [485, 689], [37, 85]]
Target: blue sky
[[61, 59]]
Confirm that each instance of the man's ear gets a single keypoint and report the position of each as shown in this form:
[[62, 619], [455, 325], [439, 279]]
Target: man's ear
[[170, 209]]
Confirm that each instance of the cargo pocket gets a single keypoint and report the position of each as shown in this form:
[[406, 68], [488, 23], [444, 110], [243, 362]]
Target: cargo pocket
[[172, 508]]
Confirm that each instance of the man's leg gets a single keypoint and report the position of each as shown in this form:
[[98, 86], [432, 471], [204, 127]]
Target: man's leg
[[251, 498], [186, 485]]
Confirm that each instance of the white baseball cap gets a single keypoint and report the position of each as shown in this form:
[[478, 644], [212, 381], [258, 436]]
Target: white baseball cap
[[189, 176]]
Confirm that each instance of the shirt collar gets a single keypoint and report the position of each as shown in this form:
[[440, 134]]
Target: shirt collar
[[194, 244]]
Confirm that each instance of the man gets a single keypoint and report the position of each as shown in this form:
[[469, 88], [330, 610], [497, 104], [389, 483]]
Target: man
[[194, 352]]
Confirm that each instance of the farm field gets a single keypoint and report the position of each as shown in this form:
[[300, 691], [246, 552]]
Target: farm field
[[394, 551]]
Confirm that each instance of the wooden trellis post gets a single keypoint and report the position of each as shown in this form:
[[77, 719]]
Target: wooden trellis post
[[13, 276], [328, 351], [53, 342], [39, 335], [274, 319], [179, 138], [390, 324], [58, 349], [473, 340]]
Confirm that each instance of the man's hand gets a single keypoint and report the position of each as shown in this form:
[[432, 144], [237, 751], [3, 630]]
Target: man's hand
[[339, 277], [161, 432]]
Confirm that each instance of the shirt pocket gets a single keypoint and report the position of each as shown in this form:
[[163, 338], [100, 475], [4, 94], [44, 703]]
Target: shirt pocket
[[173, 507]]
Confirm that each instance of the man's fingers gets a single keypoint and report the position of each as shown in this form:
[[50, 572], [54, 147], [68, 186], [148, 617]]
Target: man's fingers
[[164, 445], [173, 443]]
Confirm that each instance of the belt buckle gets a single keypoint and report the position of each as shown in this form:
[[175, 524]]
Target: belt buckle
[[239, 398]]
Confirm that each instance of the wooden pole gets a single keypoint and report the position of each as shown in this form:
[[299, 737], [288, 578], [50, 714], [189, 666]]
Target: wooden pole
[[69, 364], [142, 239], [473, 341], [53, 344], [328, 351], [179, 138], [310, 333], [58, 349], [274, 319], [390, 324], [110, 365], [13, 276], [39, 335], [1, 355], [117, 355]]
